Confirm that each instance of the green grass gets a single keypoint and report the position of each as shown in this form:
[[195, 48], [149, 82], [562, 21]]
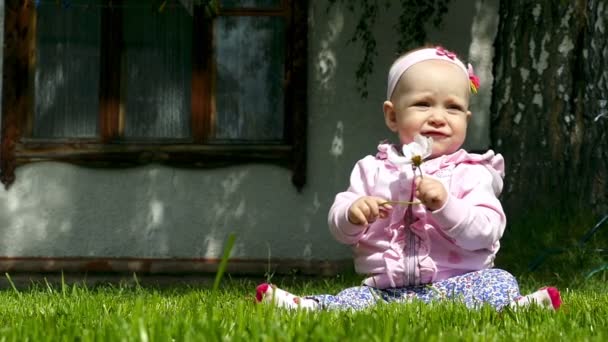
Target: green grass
[[133, 313], [226, 309]]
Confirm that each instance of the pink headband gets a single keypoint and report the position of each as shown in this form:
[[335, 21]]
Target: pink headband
[[405, 62]]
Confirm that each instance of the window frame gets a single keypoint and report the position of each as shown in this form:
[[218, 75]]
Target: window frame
[[17, 148]]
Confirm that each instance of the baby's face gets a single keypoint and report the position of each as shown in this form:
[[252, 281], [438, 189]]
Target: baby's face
[[432, 99]]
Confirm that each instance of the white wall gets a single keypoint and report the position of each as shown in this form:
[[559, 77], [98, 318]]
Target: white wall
[[58, 210]]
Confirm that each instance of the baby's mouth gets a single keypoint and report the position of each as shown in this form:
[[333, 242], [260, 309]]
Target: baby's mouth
[[435, 135]]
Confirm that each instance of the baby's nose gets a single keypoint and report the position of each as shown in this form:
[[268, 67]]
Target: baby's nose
[[436, 117]]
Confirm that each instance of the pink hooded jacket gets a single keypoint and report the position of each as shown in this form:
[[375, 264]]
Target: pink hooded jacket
[[460, 237]]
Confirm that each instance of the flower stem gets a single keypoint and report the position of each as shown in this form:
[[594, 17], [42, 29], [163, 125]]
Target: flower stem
[[415, 168], [400, 203]]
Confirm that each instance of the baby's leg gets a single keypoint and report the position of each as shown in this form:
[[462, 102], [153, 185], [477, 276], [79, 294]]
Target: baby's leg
[[270, 294], [546, 297], [354, 298], [493, 286]]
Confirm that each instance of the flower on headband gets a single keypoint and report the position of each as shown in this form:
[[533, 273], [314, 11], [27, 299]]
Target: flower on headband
[[474, 80], [413, 153], [440, 51]]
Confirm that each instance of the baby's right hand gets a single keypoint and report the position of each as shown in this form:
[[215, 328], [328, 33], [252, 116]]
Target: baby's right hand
[[367, 209]]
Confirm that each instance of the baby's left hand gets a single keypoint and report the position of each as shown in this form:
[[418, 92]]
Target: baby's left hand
[[431, 192]]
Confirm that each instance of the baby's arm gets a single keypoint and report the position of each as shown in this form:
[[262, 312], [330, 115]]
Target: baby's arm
[[431, 192], [367, 209], [353, 210], [473, 216]]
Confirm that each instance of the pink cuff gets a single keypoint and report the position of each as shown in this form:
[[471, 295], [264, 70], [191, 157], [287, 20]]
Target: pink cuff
[[451, 215], [349, 228], [346, 232]]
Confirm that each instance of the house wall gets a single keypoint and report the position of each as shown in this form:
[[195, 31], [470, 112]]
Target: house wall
[[56, 210]]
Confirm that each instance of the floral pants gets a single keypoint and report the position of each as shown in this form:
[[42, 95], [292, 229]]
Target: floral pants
[[495, 287]]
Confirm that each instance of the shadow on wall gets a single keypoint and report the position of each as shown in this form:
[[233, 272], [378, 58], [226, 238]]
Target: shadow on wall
[[325, 59], [59, 210]]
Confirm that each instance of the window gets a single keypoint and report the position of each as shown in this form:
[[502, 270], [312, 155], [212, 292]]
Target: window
[[117, 83]]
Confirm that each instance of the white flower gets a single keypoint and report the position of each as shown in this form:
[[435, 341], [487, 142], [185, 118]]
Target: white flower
[[414, 152]]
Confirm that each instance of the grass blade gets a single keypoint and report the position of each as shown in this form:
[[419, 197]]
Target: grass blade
[[12, 284], [224, 261]]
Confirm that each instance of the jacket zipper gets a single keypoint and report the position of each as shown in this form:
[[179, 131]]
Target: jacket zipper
[[410, 264]]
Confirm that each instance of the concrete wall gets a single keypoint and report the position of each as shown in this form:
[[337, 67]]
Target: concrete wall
[[58, 210]]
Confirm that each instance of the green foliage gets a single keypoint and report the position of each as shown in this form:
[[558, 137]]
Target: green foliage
[[414, 17], [211, 7]]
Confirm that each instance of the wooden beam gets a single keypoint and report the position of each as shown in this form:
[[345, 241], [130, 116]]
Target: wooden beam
[[203, 118], [19, 60], [96, 154], [110, 73], [297, 112]]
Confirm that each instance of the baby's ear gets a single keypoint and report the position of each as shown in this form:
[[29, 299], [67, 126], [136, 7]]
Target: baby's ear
[[469, 115], [390, 116]]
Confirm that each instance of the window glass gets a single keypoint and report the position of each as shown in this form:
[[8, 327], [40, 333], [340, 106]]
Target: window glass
[[157, 71], [67, 71], [250, 78], [137, 57], [250, 3]]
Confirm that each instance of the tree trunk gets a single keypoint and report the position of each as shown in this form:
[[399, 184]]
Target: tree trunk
[[549, 106]]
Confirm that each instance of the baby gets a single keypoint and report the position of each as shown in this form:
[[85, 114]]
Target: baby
[[423, 217]]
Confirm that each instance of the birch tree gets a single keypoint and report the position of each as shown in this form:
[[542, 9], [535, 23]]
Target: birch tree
[[549, 106]]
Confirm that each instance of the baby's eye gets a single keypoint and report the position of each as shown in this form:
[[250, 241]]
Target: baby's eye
[[422, 104], [455, 108]]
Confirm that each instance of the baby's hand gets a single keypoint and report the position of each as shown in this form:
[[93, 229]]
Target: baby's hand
[[431, 192], [367, 209]]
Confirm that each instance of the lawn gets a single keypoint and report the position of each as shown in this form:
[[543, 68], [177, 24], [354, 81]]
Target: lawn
[[184, 313], [226, 310]]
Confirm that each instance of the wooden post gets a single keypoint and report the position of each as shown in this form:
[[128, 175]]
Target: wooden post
[[18, 67]]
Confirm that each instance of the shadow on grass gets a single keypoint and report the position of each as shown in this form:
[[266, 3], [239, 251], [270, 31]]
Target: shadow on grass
[[546, 250]]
